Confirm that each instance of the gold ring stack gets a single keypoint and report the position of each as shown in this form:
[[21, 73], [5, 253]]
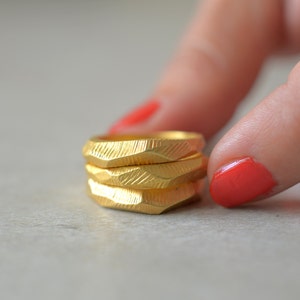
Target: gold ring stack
[[149, 173]]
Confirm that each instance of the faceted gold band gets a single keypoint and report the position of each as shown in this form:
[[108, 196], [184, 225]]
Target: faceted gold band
[[128, 150], [144, 201], [155, 176]]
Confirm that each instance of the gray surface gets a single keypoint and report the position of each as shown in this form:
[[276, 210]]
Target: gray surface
[[68, 70]]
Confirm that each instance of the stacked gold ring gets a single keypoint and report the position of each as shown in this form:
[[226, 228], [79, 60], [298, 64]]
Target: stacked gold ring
[[149, 174]]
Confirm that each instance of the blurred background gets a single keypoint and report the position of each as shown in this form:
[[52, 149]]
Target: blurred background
[[68, 70]]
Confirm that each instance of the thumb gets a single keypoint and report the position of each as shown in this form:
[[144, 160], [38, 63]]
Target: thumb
[[259, 156], [208, 76]]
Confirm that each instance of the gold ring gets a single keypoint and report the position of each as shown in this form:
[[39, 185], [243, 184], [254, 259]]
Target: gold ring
[[128, 150], [155, 176], [143, 201]]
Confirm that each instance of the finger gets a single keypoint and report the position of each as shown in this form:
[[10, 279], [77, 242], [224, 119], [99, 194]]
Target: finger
[[259, 156], [213, 69], [291, 18]]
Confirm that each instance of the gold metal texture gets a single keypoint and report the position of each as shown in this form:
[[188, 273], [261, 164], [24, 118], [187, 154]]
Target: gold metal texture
[[155, 176], [153, 201], [127, 150]]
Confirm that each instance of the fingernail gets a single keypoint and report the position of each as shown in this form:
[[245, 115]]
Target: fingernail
[[240, 181], [141, 114]]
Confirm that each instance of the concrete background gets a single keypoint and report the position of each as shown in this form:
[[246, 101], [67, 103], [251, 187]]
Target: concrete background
[[68, 69]]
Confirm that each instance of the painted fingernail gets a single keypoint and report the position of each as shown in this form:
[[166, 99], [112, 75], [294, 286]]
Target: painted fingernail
[[241, 181], [141, 114]]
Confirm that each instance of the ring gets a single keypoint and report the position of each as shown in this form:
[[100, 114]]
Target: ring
[[155, 176], [143, 201], [127, 150]]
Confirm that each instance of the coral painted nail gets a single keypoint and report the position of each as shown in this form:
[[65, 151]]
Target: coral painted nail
[[240, 181], [141, 114]]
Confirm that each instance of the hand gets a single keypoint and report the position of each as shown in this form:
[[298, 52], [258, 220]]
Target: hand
[[213, 69]]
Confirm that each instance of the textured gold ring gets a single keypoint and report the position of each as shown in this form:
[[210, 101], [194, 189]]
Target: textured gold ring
[[127, 150], [155, 176], [143, 201]]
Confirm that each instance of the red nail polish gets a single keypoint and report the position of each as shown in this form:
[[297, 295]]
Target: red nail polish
[[139, 115], [240, 182]]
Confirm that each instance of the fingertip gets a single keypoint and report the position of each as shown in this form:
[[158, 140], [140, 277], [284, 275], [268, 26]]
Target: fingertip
[[241, 181], [269, 135]]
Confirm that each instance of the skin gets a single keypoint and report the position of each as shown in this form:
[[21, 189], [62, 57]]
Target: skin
[[212, 70]]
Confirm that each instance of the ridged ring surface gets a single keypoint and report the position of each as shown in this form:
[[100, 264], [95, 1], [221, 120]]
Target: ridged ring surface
[[155, 176], [127, 150], [143, 201]]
